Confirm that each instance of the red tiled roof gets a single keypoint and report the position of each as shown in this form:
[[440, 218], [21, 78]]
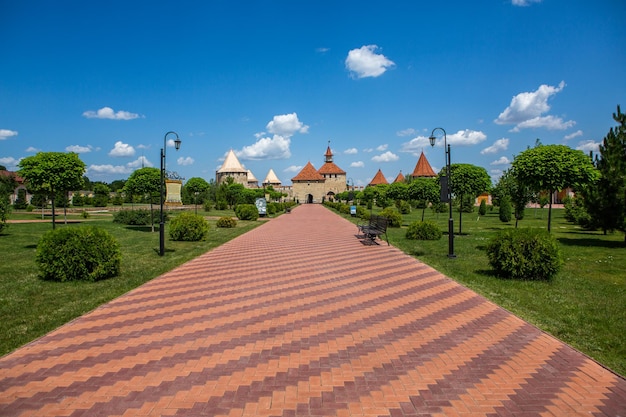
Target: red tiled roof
[[328, 152], [379, 178], [308, 173], [423, 168], [331, 168], [17, 178], [399, 178]]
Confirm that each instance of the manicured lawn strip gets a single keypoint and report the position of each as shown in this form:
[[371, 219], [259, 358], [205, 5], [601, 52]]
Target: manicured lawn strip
[[584, 306], [31, 307]]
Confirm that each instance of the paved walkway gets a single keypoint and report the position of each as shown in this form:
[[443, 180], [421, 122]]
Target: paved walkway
[[296, 318]]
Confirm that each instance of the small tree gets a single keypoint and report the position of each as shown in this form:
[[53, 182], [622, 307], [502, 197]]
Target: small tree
[[467, 179], [424, 189], [146, 182], [53, 172], [552, 168], [195, 190], [7, 185]]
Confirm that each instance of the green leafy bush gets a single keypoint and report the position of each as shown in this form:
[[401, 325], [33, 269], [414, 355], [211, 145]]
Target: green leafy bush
[[221, 205], [525, 254], [404, 206], [247, 212], [394, 218], [188, 227], [506, 211], [85, 253], [427, 230], [227, 222], [482, 209], [139, 217]]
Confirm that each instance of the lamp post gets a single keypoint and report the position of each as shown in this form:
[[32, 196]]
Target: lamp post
[[177, 142], [448, 190]]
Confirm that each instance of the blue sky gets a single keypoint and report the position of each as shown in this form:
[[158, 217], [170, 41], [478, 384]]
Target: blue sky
[[276, 80]]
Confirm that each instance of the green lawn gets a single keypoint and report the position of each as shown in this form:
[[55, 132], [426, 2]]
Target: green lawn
[[584, 306], [31, 307]]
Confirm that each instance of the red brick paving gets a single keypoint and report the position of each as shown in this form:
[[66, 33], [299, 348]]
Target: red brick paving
[[298, 318]]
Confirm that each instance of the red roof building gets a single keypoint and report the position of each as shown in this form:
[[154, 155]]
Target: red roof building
[[423, 168], [379, 178]]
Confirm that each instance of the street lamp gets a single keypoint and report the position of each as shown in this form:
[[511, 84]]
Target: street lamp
[[447, 185], [177, 142]]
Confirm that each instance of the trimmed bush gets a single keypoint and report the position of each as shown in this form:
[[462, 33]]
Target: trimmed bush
[[85, 253], [247, 212], [423, 231], [482, 209], [227, 222], [393, 217], [525, 254], [506, 211], [188, 227], [404, 206], [139, 217]]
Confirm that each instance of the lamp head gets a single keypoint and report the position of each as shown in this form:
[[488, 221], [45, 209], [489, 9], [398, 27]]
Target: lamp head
[[177, 143], [432, 140]]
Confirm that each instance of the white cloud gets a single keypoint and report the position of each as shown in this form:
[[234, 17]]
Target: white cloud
[[464, 137], [143, 146], [523, 3], [503, 160], [406, 132], [351, 151], [140, 162], [526, 110], [185, 161], [9, 161], [357, 164], [386, 157], [293, 168], [6, 133], [122, 150], [382, 147], [120, 169], [78, 148], [495, 174], [276, 147], [499, 145], [368, 150], [588, 145], [416, 144], [286, 125], [573, 135], [32, 149], [109, 113], [322, 50], [365, 62]]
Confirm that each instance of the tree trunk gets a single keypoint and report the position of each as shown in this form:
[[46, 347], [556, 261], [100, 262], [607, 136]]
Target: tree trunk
[[460, 213], [550, 211], [53, 212]]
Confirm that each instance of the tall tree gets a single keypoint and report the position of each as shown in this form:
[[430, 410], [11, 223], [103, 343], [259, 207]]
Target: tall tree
[[52, 172], [195, 187], [553, 168], [606, 200], [519, 194], [145, 182], [424, 189], [7, 187], [467, 179]]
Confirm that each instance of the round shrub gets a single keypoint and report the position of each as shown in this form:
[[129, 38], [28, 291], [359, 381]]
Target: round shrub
[[84, 253], [247, 212], [188, 227], [139, 217], [227, 222], [506, 211], [525, 254], [404, 206], [482, 209], [423, 231], [393, 217]]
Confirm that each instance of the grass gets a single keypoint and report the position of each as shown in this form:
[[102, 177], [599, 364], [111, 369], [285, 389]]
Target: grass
[[584, 305], [31, 307]]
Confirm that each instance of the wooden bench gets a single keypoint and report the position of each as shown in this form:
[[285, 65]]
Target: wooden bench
[[375, 228]]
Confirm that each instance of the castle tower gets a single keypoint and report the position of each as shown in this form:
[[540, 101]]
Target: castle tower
[[423, 168], [232, 168]]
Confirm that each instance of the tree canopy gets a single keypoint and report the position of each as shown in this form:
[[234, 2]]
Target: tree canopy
[[424, 189], [52, 172], [467, 179], [553, 168]]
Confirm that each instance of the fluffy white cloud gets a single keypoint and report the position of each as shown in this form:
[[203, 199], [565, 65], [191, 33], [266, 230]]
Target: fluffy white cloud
[[109, 113], [588, 145], [499, 145], [293, 168], [503, 160], [464, 137], [185, 161], [140, 162], [6, 133], [78, 148], [382, 147], [406, 132], [524, 2], [357, 164], [415, 144], [9, 161], [386, 157], [32, 149], [351, 151], [120, 169], [122, 150], [365, 62], [276, 147], [526, 110], [286, 125], [573, 135]]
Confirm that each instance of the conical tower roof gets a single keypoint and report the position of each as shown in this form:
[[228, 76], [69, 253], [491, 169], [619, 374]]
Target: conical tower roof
[[423, 168], [231, 164], [308, 173], [271, 178], [251, 177], [379, 178], [399, 178]]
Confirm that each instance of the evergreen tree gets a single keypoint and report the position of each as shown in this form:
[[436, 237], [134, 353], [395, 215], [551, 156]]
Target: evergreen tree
[[606, 200]]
